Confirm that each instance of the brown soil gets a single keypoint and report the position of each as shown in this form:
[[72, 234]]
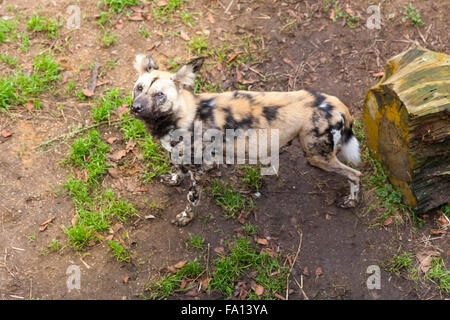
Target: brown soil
[[312, 51]]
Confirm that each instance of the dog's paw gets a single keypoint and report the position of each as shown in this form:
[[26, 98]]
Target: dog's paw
[[170, 179], [347, 202], [182, 219]]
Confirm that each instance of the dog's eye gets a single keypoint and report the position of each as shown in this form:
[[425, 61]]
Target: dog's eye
[[159, 95], [139, 88]]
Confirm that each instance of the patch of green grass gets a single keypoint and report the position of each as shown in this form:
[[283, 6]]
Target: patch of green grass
[[156, 159], [89, 152], [132, 128], [187, 19], [53, 246], [20, 88], [170, 283], [119, 252], [107, 39], [439, 274], [45, 24], [4, 58], [198, 46], [106, 105], [117, 6], [79, 236], [242, 259], [25, 42], [113, 207], [104, 20], [349, 19], [80, 95], [233, 202], [195, 242], [411, 14], [400, 263], [145, 34], [163, 13], [250, 229], [252, 178], [7, 29], [70, 87]]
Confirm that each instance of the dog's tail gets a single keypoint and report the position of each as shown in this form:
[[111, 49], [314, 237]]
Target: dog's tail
[[350, 145]]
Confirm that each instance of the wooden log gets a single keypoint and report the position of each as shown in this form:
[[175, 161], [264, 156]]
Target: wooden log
[[407, 118]]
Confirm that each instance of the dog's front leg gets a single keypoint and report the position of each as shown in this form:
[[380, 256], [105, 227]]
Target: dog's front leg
[[174, 179], [193, 198]]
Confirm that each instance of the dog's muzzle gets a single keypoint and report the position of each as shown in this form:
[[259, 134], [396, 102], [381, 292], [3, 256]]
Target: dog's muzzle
[[137, 107]]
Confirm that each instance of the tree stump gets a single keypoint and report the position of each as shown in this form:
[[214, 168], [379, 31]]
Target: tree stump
[[407, 118]]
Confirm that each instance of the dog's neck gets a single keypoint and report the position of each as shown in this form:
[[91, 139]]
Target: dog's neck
[[186, 106]]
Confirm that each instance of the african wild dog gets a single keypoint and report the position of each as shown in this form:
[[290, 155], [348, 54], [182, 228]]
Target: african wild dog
[[321, 122]]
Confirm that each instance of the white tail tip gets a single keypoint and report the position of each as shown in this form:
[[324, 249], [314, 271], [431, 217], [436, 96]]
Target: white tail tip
[[350, 151]]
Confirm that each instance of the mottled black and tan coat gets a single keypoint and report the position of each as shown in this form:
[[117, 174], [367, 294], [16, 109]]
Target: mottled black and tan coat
[[321, 122]]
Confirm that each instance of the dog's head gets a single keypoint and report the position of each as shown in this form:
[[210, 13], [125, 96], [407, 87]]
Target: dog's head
[[156, 92]]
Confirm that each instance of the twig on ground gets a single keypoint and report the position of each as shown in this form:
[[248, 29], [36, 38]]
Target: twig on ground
[[300, 234]]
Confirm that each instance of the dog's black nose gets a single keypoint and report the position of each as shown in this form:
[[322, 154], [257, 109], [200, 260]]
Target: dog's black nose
[[136, 107]]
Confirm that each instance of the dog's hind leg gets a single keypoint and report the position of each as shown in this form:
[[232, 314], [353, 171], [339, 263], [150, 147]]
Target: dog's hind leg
[[320, 151], [193, 197], [334, 165]]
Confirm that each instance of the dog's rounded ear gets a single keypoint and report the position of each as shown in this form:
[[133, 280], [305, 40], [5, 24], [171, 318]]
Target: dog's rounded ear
[[185, 76], [144, 63], [196, 64]]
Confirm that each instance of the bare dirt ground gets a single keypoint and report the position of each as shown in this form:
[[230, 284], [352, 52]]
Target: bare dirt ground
[[301, 48]]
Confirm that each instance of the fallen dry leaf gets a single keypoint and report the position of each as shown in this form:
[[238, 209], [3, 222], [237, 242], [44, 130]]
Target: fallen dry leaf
[[74, 220], [119, 24], [180, 264], [234, 56], [259, 290], [425, 258], [113, 173], [130, 146], [101, 83], [276, 295], [88, 93], [436, 232], [137, 16], [306, 271], [184, 36], [319, 271], [45, 224], [332, 15], [378, 74], [268, 251], [137, 9], [161, 3], [126, 278], [288, 61], [30, 106], [211, 18], [205, 283], [172, 269], [6, 133], [219, 250], [118, 155], [111, 140], [262, 241], [388, 221], [192, 293]]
